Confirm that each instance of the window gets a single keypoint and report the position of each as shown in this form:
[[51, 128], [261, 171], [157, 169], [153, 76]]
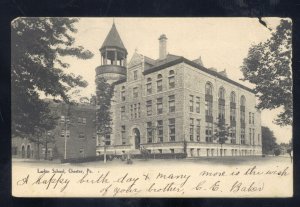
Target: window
[[135, 111], [208, 89], [79, 120], [198, 130], [232, 97], [243, 141], [243, 101], [160, 131], [149, 107], [135, 92], [172, 103], [197, 104], [208, 132], [123, 134], [233, 135], [221, 104], [81, 135], [159, 106], [135, 75], [172, 151], [83, 120], [172, 130], [250, 116], [139, 110], [123, 96], [208, 108], [242, 109], [208, 99], [160, 151], [149, 88], [232, 114], [191, 129], [123, 112], [191, 103], [171, 82], [131, 111], [221, 112], [159, 85], [159, 82], [149, 132], [221, 93], [171, 79]]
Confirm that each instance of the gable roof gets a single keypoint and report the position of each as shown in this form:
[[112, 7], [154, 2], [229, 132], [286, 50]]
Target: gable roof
[[113, 39]]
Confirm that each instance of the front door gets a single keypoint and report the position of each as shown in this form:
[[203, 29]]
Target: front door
[[23, 151], [137, 138], [28, 151]]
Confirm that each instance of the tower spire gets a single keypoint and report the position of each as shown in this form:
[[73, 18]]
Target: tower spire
[[113, 57]]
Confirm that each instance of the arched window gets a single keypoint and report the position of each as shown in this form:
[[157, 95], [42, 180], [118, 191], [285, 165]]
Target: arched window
[[221, 93], [159, 76], [171, 72], [208, 88], [123, 87], [149, 80], [232, 97], [243, 100], [232, 111]]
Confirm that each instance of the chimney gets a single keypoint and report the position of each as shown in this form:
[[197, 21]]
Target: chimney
[[162, 46]]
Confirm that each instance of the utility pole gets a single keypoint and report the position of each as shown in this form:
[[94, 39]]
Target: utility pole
[[67, 120]]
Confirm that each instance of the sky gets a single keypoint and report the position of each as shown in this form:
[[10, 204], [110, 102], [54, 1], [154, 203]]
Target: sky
[[222, 43]]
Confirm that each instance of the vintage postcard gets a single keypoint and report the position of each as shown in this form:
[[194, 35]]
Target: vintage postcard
[[151, 107]]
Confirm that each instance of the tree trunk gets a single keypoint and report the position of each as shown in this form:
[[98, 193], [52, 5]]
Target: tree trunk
[[221, 150]]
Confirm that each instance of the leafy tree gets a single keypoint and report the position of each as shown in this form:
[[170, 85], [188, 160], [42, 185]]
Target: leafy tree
[[38, 46], [268, 141], [268, 66], [221, 132], [104, 94]]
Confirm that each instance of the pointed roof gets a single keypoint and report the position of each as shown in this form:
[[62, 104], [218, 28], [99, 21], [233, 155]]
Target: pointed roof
[[113, 39]]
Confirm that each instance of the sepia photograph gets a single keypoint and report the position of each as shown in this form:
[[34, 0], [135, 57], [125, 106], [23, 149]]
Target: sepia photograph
[[151, 107]]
